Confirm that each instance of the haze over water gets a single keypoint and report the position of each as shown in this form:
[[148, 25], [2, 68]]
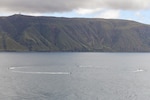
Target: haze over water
[[74, 76]]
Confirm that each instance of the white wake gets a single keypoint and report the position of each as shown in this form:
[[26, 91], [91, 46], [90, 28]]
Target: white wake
[[14, 69], [139, 70], [51, 73]]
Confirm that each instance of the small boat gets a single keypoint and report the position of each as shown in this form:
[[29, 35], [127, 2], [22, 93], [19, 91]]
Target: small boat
[[139, 70]]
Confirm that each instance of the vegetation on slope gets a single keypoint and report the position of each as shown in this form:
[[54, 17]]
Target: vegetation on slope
[[27, 33]]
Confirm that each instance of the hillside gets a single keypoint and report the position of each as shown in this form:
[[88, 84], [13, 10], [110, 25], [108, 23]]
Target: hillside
[[28, 33]]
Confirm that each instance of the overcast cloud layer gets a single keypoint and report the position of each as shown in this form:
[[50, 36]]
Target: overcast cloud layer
[[49, 6]]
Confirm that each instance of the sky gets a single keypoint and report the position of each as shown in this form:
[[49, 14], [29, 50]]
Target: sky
[[137, 10]]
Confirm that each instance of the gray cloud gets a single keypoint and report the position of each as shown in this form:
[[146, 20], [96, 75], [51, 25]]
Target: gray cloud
[[46, 6]]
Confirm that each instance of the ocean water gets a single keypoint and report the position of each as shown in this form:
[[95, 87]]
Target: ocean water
[[74, 76]]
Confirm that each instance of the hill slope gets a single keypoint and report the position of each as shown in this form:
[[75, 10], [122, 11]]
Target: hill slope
[[28, 33]]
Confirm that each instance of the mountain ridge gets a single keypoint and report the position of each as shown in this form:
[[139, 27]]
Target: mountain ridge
[[47, 34]]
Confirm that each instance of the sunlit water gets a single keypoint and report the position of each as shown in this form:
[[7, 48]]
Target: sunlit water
[[74, 76]]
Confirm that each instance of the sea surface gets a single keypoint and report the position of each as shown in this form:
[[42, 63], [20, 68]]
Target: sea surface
[[74, 76]]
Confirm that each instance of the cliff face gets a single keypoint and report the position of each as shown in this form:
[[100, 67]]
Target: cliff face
[[28, 33]]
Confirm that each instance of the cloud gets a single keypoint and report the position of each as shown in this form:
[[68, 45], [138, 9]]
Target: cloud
[[83, 11], [128, 4], [50, 6], [113, 14]]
